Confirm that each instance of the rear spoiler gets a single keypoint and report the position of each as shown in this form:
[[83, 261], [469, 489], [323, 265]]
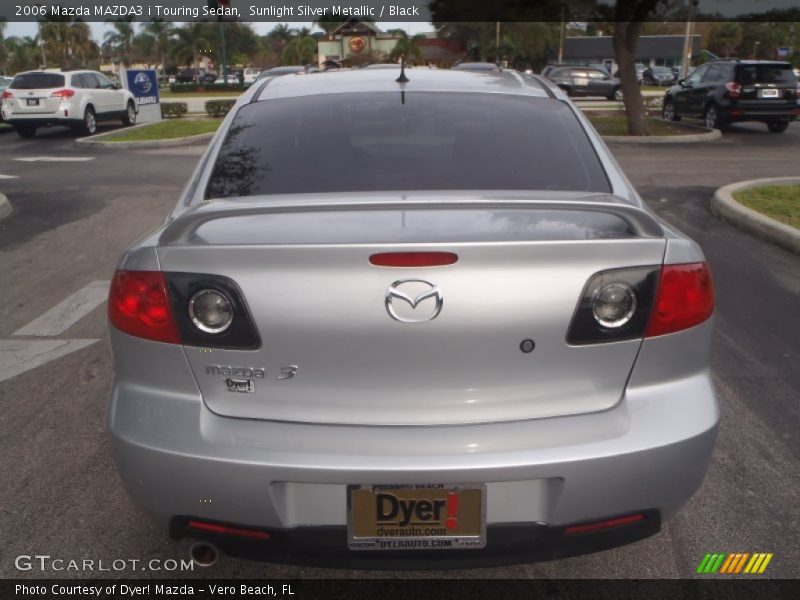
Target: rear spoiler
[[180, 230]]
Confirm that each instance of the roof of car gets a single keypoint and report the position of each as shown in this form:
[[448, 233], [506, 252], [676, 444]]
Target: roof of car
[[384, 80]]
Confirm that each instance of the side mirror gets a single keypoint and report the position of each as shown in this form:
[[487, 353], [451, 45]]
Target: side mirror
[[116, 86], [682, 82]]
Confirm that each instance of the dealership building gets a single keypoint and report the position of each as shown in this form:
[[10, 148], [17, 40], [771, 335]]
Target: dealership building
[[651, 50]]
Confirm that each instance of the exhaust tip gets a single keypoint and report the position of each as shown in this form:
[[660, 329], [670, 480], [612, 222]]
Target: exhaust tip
[[204, 554]]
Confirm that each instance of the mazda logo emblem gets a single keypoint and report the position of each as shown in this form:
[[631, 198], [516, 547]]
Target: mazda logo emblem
[[413, 301]]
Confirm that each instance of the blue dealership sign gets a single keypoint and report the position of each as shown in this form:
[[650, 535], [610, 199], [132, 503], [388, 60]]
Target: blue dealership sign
[[144, 86]]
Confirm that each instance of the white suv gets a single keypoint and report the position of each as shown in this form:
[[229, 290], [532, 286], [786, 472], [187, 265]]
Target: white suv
[[77, 99]]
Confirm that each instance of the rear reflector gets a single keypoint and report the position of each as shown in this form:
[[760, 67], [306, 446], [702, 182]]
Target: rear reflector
[[685, 298], [138, 305], [601, 525], [413, 259], [224, 529]]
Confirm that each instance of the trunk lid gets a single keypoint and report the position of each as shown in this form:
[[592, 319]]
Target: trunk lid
[[321, 309]]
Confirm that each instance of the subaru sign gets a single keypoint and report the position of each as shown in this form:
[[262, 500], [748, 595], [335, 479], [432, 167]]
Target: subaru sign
[[143, 84]]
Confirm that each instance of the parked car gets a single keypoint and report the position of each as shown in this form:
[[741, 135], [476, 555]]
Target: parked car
[[727, 91], [286, 70], [195, 76], [479, 67], [585, 81], [640, 68], [249, 76], [464, 338], [4, 81], [77, 99], [658, 76]]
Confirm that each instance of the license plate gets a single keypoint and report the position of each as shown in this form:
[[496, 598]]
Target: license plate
[[769, 93], [416, 517], [33, 102]]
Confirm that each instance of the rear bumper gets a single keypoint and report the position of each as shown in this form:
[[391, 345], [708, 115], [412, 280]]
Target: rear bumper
[[42, 121], [506, 543], [737, 112], [648, 453]]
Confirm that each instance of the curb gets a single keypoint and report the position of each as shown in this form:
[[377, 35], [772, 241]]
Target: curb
[[97, 140], [691, 138], [5, 207], [724, 207]]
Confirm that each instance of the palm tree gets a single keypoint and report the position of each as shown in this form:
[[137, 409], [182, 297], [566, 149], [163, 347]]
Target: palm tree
[[120, 41], [329, 24], [56, 38], [83, 48], [190, 39], [300, 51], [163, 32], [407, 47], [22, 54]]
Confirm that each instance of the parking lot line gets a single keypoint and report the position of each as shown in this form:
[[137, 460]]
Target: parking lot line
[[55, 159], [8, 176], [18, 356], [68, 312]]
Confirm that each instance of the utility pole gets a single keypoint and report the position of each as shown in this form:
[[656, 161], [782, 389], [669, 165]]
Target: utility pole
[[688, 38], [497, 44], [561, 38], [216, 5]]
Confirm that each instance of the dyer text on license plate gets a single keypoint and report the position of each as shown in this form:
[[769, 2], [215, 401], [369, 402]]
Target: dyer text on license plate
[[416, 517]]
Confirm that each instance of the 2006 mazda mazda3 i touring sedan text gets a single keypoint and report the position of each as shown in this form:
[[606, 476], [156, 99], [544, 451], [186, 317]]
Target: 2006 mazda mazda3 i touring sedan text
[[397, 323]]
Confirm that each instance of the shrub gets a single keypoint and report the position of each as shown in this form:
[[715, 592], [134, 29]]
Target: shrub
[[190, 88], [173, 109], [219, 108], [183, 88]]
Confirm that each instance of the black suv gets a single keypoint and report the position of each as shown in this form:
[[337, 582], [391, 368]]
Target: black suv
[[729, 90], [585, 81]]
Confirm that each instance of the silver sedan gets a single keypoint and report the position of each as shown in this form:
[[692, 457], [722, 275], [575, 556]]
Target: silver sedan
[[399, 320]]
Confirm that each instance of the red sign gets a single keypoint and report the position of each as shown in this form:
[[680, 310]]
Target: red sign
[[357, 44]]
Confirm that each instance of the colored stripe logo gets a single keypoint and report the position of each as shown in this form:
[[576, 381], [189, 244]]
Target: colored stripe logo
[[734, 563]]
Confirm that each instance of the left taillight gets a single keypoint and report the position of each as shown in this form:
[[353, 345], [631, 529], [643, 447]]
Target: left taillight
[[138, 305], [734, 89], [6, 95], [65, 93]]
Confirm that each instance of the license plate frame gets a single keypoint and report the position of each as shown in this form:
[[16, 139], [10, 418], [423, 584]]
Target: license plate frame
[[31, 101], [769, 93], [366, 531]]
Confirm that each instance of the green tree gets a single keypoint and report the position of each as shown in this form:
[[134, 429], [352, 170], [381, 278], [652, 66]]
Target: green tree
[[119, 42], [3, 50], [162, 32], [407, 47], [300, 51], [724, 38], [329, 23], [22, 54], [189, 41], [56, 38], [84, 49]]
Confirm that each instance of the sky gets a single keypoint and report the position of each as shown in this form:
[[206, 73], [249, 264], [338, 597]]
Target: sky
[[99, 29]]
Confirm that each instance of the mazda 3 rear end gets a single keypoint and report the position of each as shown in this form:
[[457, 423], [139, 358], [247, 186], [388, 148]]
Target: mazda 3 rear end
[[397, 323]]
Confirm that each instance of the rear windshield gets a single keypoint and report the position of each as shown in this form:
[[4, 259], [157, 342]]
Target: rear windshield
[[37, 81], [777, 74], [414, 141]]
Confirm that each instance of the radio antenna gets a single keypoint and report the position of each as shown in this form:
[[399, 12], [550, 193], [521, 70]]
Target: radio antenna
[[402, 78]]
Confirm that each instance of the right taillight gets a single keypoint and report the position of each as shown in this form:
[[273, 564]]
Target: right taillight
[[138, 305], [684, 298], [65, 93], [734, 89]]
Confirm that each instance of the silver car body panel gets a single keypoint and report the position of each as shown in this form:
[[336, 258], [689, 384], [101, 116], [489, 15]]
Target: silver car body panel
[[562, 435]]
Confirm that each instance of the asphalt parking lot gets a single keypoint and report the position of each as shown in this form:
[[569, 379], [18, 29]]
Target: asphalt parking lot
[[76, 209]]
